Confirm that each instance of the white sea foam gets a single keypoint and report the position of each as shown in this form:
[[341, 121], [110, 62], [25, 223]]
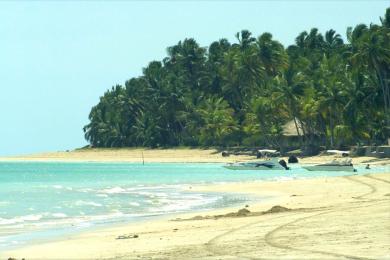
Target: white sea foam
[[85, 190], [147, 193], [284, 178], [183, 203], [164, 200], [57, 186], [158, 187], [136, 204], [87, 203], [79, 221], [161, 194], [4, 203], [84, 225], [59, 215], [113, 190], [21, 219], [31, 217]]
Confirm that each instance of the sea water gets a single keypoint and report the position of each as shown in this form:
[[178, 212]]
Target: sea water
[[41, 200]]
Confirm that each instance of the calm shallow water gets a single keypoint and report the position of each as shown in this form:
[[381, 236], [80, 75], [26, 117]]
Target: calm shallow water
[[38, 200]]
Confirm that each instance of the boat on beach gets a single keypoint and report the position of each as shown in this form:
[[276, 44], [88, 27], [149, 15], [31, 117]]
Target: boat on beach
[[344, 165], [271, 164]]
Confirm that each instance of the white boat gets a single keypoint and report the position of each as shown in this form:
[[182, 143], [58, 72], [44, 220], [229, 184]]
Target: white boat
[[345, 165], [272, 164]]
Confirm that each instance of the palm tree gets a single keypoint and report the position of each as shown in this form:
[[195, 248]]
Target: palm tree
[[333, 42], [245, 39], [288, 92], [272, 55], [218, 122], [371, 51], [332, 93], [242, 93]]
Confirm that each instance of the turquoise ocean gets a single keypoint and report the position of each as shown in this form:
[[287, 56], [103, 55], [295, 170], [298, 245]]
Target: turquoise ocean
[[46, 200]]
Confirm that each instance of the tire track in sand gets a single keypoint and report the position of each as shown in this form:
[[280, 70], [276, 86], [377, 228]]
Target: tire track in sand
[[373, 189], [270, 237], [211, 244], [376, 178]]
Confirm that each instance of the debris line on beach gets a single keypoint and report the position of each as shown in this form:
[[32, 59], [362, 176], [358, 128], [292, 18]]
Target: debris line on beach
[[127, 236]]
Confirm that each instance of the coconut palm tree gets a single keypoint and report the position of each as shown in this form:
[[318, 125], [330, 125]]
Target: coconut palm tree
[[242, 93], [371, 51]]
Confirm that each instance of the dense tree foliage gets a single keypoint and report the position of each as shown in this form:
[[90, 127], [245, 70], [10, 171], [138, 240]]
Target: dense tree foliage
[[243, 93]]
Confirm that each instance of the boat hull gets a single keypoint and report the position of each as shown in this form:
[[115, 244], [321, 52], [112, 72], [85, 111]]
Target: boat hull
[[260, 168], [346, 168]]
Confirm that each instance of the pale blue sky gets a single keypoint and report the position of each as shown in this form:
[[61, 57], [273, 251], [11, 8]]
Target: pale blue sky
[[57, 58]]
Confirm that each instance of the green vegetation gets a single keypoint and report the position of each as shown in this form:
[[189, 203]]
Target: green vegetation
[[243, 93]]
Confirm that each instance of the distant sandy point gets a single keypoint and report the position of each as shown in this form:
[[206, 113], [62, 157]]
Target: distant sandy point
[[180, 155]]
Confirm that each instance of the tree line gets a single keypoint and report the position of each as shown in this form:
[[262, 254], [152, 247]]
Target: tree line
[[243, 93]]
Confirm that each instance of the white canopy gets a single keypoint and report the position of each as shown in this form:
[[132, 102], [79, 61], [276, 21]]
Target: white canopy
[[337, 151], [267, 151]]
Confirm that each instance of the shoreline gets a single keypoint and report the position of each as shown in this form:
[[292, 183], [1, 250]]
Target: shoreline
[[329, 198], [178, 155], [142, 219]]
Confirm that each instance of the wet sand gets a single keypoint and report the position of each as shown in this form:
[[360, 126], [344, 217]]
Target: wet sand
[[323, 218]]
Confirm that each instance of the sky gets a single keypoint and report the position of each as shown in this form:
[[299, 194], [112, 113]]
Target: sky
[[57, 58]]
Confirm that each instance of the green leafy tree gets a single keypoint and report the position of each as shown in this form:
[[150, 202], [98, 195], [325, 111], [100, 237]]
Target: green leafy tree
[[242, 93]]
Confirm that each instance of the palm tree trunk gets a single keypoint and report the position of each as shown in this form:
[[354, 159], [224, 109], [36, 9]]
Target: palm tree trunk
[[331, 129], [384, 81], [303, 129], [299, 134], [385, 90]]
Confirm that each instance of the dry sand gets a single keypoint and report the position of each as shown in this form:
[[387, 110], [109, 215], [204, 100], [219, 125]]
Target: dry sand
[[139, 155], [330, 218], [131, 155]]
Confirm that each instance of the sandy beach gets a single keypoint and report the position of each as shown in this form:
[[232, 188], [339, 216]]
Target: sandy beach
[[136, 155], [179, 130], [324, 218], [181, 155]]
